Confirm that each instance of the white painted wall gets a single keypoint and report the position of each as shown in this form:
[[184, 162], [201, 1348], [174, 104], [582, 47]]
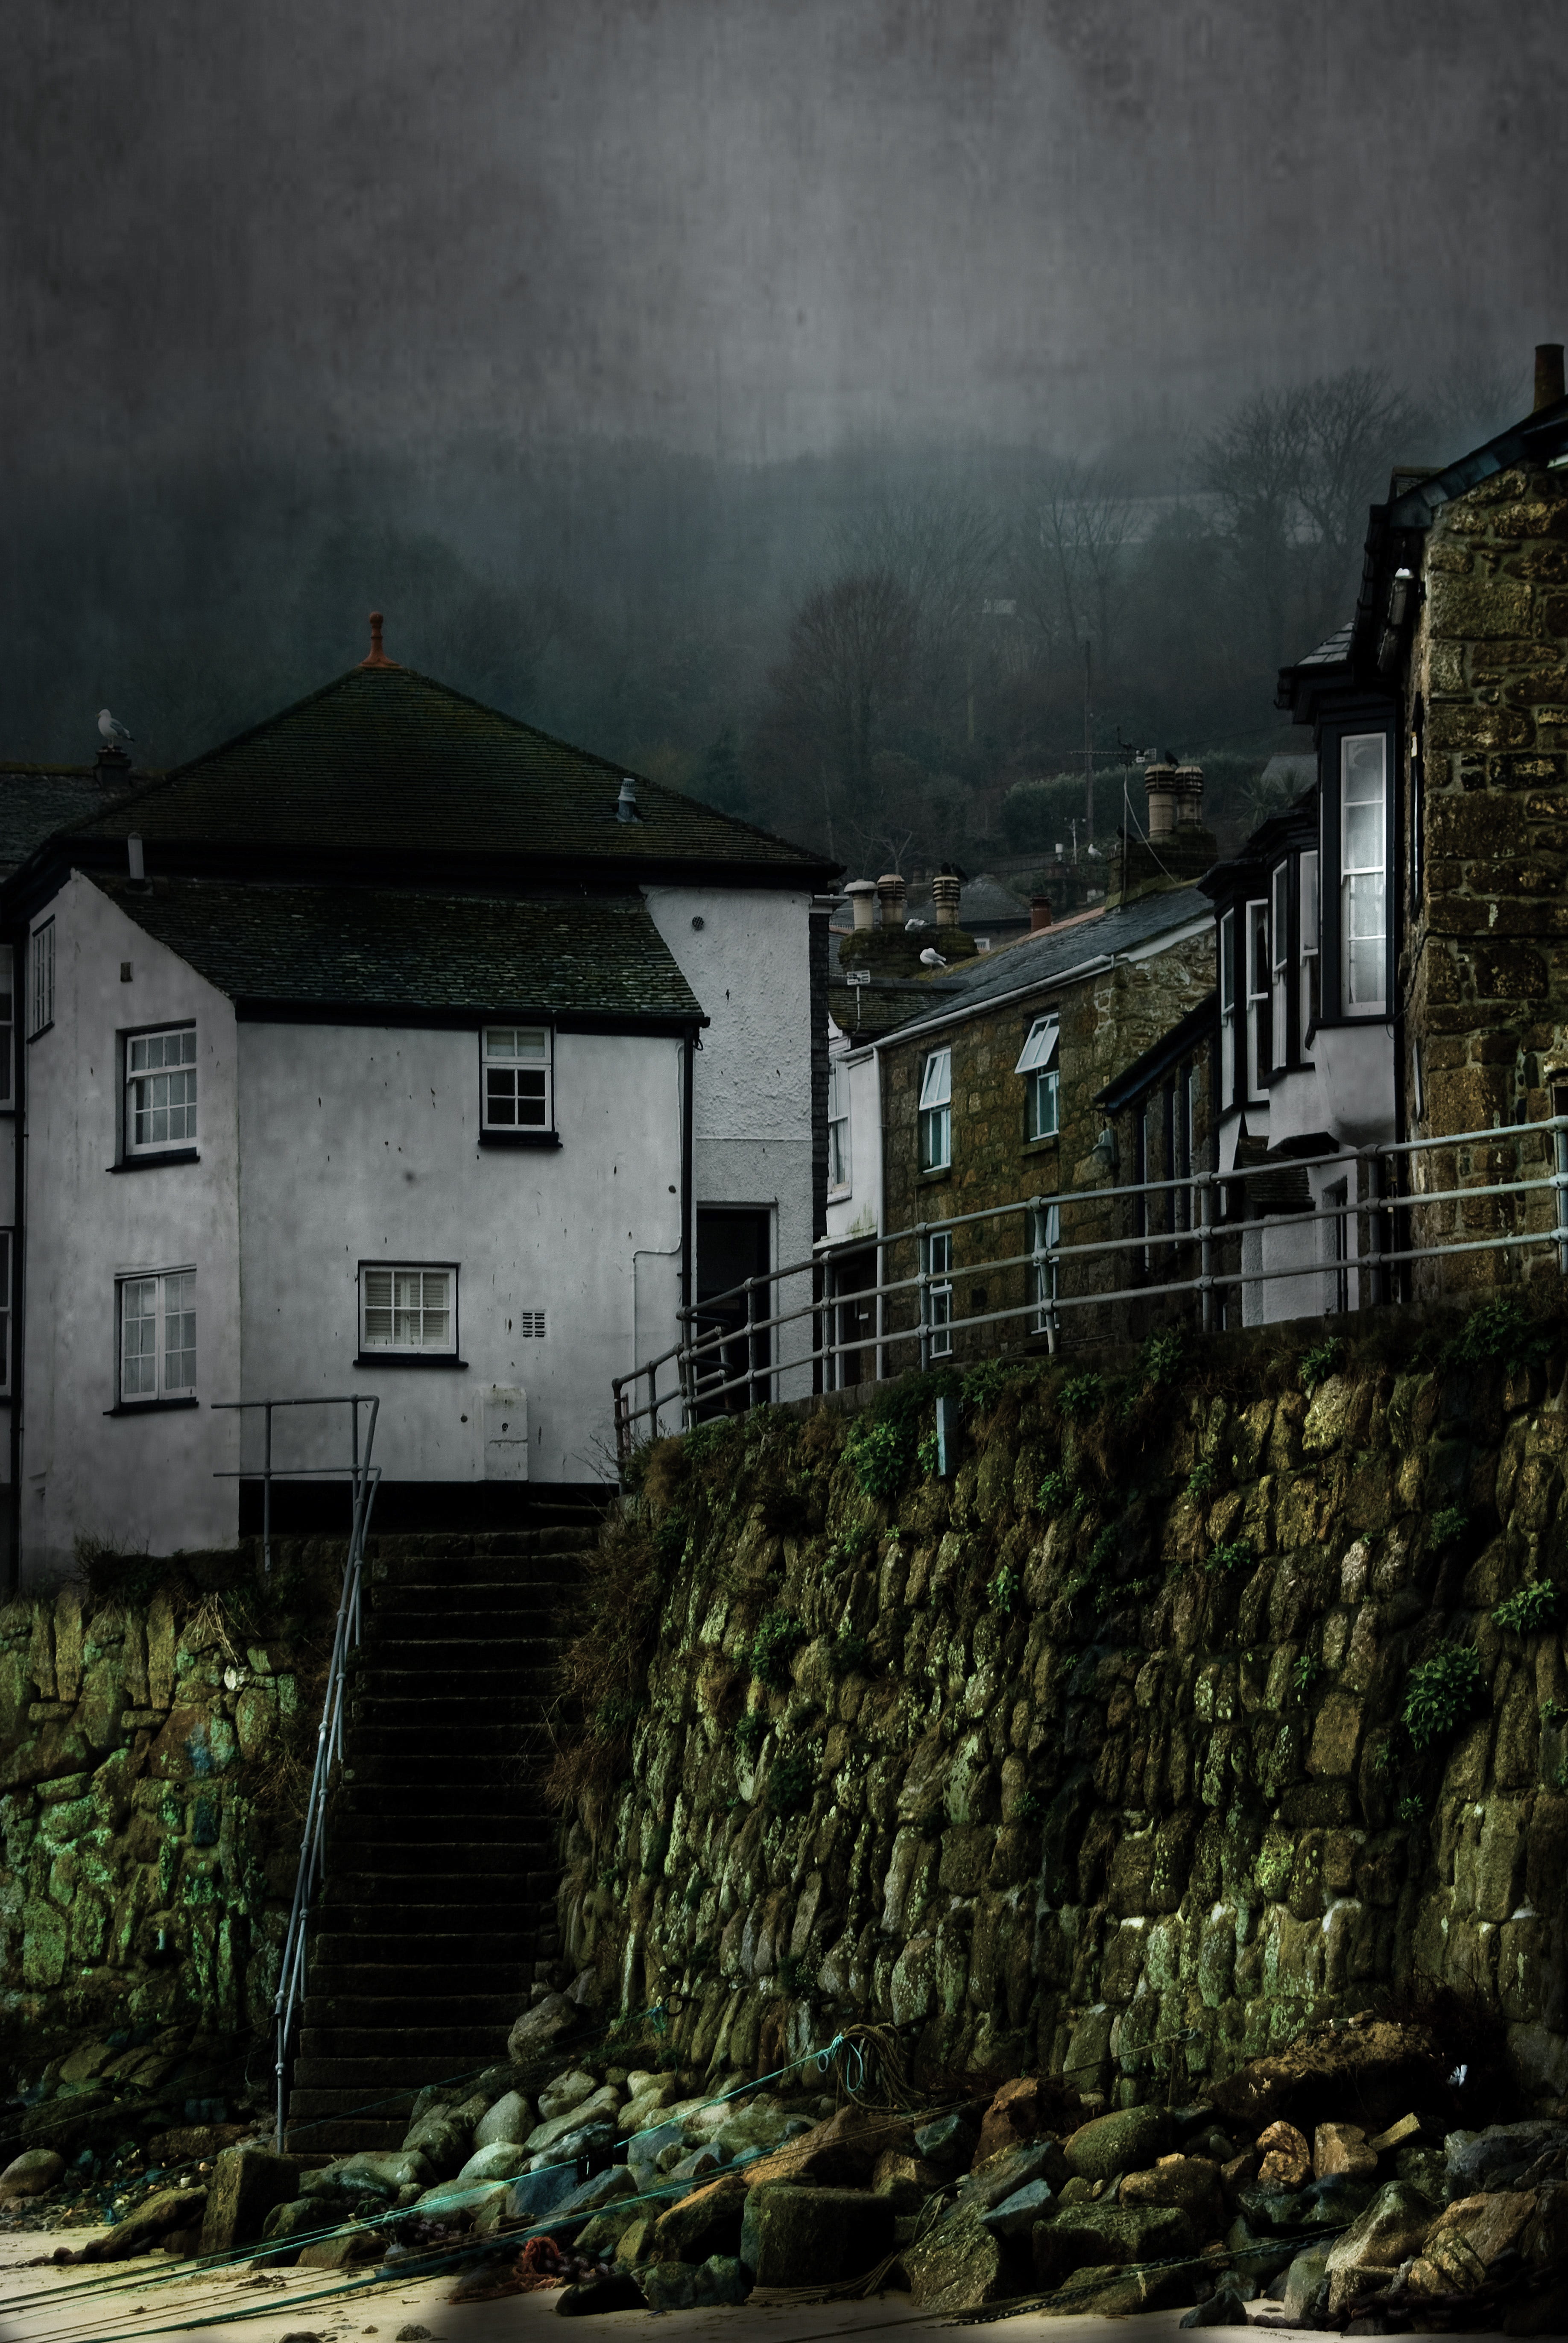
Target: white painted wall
[[139, 1480], [362, 1144], [749, 965]]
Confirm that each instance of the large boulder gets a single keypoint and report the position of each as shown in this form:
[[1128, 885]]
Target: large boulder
[[1014, 2116], [1287, 2160], [592, 2195], [693, 2286], [948, 2141], [502, 2160], [1110, 2291], [1368, 2254], [707, 2222], [764, 2127], [1478, 2162], [1192, 2182], [1016, 2215], [386, 2169], [959, 2265], [32, 2173], [597, 2105], [511, 2119], [1341, 2147], [1075, 2236], [1467, 2239], [905, 2180], [538, 2027], [443, 2141], [800, 2236], [1306, 2287], [840, 2153], [245, 2184], [1379, 2068], [1127, 2141], [167, 2209], [534, 2195], [596, 2138], [567, 2091], [602, 2236], [346, 2249]]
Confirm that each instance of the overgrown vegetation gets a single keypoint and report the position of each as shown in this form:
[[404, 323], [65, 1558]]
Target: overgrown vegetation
[[1440, 1693], [1320, 1362], [779, 1635], [1533, 1608]]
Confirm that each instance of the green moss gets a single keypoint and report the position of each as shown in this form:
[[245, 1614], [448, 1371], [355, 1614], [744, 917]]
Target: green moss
[[849, 1654], [1234, 1556], [1004, 1589], [1079, 1396], [1318, 1364], [1448, 1525], [750, 1733], [789, 1782]]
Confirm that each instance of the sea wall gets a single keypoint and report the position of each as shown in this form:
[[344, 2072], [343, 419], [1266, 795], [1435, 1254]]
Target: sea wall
[[1197, 1705], [154, 1743]]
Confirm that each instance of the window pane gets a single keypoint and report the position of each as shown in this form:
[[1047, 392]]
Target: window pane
[[530, 1097], [140, 1338], [179, 1332], [377, 1306], [501, 1042], [500, 1094], [936, 1087], [1228, 963]]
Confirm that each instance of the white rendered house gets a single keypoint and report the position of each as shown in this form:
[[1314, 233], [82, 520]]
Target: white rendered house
[[391, 1048]]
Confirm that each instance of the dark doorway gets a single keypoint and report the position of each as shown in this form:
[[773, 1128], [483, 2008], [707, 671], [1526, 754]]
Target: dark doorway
[[733, 1244], [853, 1280]]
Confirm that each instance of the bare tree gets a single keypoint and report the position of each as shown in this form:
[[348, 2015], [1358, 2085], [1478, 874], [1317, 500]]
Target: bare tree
[[1069, 559], [848, 664], [1251, 465], [1354, 428]]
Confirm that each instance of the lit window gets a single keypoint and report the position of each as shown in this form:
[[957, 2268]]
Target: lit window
[[838, 1125], [1309, 1000], [1363, 791], [939, 1292], [1280, 959], [937, 1112], [41, 996], [157, 1336], [160, 1089], [1228, 1010], [1038, 1065], [517, 1078], [408, 1310]]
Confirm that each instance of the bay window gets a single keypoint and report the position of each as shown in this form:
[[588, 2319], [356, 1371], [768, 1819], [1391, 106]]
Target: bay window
[[1280, 960], [1260, 1054], [1363, 855], [1310, 1005], [1227, 1011], [936, 1111]]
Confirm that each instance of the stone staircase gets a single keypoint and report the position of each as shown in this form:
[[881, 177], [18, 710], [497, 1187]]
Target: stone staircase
[[437, 1913]]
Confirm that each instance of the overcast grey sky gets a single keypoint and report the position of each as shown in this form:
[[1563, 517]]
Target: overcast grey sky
[[753, 227]]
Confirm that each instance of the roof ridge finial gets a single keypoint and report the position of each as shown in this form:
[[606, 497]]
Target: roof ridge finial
[[378, 657]]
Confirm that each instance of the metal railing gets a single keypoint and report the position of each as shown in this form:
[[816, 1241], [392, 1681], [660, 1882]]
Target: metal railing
[[1363, 1254], [364, 1478]]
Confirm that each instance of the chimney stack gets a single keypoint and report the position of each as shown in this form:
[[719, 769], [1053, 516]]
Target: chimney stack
[[1548, 374], [1039, 914], [945, 897], [626, 804], [1189, 796], [1159, 781], [891, 895], [862, 895], [136, 864]]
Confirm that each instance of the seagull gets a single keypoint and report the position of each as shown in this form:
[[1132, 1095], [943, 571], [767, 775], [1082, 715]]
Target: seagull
[[930, 958], [113, 730]]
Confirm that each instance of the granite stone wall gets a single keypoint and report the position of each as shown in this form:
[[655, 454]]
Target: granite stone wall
[[1484, 971], [151, 1757], [1128, 1750]]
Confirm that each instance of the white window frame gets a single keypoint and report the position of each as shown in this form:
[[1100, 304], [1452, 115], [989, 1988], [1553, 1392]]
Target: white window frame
[[1227, 1010], [1038, 1063], [142, 1086], [1311, 996], [1363, 882], [7, 1026], [1280, 959], [496, 1057], [940, 1294], [163, 1366], [1256, 973], [840, 1163], [398, 1301], [41, 980], [936, 1112]]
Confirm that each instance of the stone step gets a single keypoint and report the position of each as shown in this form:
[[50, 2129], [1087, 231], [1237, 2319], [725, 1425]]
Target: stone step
[[411, 1771], [429, 1951], [373, 2072], [460, 1890], [391, 1857], [472, 1570], [377, 1986], [345, 2135], [472, 1740], [483, 2035], [425, 1804]]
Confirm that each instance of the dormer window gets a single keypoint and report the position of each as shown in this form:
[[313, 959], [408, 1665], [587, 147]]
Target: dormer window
[[1363, 856]]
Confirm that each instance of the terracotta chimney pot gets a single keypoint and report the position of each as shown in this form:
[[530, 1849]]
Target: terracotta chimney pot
[[945, 897], [1039, 914], [891, 895], [862, 895], [1159, 781], [1189, 796], [378, 657]]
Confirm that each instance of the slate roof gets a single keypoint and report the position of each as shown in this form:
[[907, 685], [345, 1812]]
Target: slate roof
[[384, 947], [384, 758], [36, 800], [1054, 952]]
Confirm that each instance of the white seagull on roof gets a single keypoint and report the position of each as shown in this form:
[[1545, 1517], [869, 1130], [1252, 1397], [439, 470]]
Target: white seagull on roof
[[931, 958], [113, 730]]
